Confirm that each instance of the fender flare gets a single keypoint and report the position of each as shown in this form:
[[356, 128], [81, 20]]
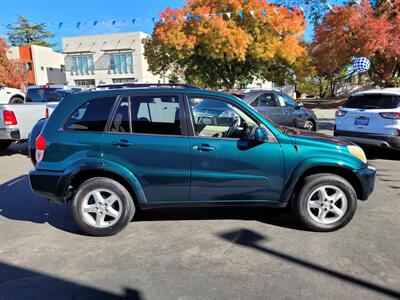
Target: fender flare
[[85, 165], [310, 163], [127, 175]]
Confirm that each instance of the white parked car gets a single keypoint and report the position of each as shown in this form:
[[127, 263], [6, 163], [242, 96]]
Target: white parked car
[[371, 118], [11, 96], [17, 121]]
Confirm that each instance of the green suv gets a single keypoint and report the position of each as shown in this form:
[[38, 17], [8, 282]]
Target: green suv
[[114, 151]]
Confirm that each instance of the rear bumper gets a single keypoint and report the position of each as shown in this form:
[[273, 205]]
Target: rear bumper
[[48, 185], [386, 141], [10, 134], [366, 177]]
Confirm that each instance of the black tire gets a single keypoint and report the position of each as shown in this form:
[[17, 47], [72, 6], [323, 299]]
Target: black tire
[[4, 144], [127, 206], [309, 126], [311, 183], [16, 100]]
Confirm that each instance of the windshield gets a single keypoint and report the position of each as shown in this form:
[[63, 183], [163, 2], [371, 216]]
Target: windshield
[[373, 101], [44, 95]]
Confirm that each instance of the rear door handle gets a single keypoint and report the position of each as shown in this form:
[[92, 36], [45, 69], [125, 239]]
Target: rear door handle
[[203, 148], [122, 143]]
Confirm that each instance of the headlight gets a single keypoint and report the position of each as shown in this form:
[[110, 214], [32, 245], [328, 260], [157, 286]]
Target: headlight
[[357, 152]]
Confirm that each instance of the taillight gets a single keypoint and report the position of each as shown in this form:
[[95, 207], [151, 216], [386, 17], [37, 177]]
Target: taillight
[[390, 115], [340, 113], [9, 118], [40, 147], [46, 114]]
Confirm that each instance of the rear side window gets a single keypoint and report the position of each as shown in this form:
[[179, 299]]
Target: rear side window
[[148, 114], [91, 116], [265, 100], [373, 101], [44, 95]]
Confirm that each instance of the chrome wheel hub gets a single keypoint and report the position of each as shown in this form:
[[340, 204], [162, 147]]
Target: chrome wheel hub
[[101, 208], [327, 204]]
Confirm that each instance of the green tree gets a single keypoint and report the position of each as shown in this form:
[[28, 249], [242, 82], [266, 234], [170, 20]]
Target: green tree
[[24, 33]]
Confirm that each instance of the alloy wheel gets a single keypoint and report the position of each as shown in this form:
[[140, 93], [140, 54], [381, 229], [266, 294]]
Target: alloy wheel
[[101, 208], [327, 204]]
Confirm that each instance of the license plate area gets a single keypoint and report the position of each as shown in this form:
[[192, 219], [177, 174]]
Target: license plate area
[[361, 121]]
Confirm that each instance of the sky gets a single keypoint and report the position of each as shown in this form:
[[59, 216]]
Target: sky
[[66, 11]]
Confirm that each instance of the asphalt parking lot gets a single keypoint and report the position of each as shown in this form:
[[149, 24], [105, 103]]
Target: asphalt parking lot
[[199, 253]]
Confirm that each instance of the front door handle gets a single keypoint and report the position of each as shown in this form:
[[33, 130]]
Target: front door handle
[[203, 147], [122, 143]]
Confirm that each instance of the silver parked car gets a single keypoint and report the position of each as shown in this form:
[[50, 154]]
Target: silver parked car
[[280, 108]]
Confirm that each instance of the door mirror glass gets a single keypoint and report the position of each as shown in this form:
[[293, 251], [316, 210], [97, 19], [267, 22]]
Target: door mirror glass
[[261, 135]]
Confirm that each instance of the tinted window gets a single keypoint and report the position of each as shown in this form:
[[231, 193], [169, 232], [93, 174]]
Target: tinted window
[[91, 116], [264, 100], [44, 95], [373, 101], [220, 119], [156, 115]]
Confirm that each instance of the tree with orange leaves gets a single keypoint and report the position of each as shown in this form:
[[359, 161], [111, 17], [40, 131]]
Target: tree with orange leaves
[[12, 73], [361, 30], [222, 43]]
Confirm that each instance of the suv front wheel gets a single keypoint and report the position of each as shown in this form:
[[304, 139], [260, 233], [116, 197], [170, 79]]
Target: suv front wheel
[[102, 207], [326, 202]]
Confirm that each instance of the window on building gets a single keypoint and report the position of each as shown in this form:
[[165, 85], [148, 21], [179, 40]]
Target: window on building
[[82, 65], [120, 63], [91, 116], [85, 82], [123, 80]]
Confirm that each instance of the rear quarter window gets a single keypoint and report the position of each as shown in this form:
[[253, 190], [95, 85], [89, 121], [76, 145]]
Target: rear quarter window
[[373, 101], [91, 116]]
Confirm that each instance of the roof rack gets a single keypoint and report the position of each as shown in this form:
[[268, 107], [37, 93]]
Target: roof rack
[[142, 85]]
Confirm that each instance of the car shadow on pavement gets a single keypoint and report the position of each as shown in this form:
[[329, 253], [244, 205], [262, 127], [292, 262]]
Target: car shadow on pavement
[[19, 283], [251, 239], [374, 153], [273, 216], [17, 202], [16, 149]]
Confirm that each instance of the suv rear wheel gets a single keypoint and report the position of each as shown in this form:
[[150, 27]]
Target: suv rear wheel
[[326, 202], [102, 207]]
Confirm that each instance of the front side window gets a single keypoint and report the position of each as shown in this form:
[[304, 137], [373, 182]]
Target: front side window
[[149, 115], [91, 116], [289, 101], [220, 119]]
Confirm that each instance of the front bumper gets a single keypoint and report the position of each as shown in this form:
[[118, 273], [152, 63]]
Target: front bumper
[[10, 134], [47, 184], [366, 178], [387, 141]]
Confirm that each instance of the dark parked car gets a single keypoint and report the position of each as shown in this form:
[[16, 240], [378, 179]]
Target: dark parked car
[[113, 151], [281, 109]]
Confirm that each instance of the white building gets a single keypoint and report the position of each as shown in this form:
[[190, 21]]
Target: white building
[[105, 59], [44, 65]]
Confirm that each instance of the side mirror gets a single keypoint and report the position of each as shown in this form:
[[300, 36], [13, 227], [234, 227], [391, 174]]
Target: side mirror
[[261, 135]]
